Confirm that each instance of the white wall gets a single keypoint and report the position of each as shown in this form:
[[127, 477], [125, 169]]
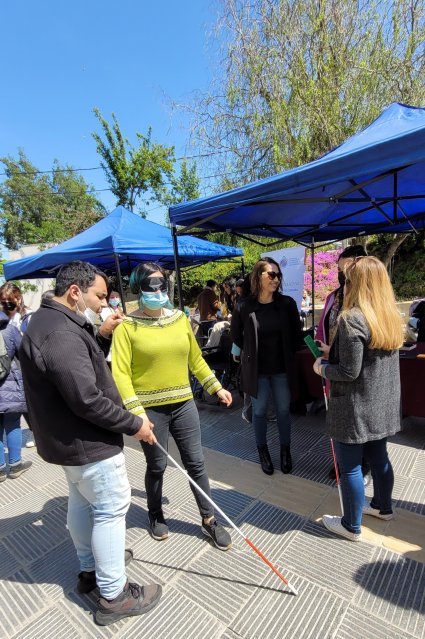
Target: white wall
[[32, 298]]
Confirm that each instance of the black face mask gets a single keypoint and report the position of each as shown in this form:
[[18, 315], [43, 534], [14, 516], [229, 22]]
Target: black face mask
[[9, 306], [341, 278]]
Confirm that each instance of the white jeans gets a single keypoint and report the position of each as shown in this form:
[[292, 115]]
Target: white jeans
[[99, 498]]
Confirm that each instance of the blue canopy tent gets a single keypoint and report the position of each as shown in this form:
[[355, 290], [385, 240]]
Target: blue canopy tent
[[372, 183], [118, 242]]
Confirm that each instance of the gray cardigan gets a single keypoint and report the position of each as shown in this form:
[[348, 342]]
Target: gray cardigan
[[364, 403]]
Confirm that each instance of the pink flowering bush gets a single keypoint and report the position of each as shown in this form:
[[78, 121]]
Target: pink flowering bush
[[325, 274]]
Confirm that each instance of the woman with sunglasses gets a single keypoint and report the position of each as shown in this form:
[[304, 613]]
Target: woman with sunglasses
[[266, 327], [12, 304], [364, 402], [152, 351]]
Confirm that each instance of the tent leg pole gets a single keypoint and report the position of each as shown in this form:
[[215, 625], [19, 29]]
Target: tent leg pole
[[119, 278], [313, 309], [177, 264], [243, 267]]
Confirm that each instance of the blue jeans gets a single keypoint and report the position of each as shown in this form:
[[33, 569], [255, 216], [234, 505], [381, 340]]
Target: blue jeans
[[350, 463], [99, 498], [182, 421], [11, 423], [278, 385]]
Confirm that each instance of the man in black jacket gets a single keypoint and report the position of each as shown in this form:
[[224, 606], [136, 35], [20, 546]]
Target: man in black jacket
[[78, 422]]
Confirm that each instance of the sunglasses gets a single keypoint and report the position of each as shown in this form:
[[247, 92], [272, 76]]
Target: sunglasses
[[272, 275], [154, 284]]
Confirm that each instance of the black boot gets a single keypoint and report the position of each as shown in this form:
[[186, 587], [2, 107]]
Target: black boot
[[285, 459], [265, 460]]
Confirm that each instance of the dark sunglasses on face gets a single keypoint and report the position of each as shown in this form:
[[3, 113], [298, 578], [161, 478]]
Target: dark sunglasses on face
[[9, 306], [153, 284], [272, 275]]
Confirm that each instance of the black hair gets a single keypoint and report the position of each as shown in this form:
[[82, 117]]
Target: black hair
[[211, 283], [141, 273], [47, 295], [80, 273], [357, 250]]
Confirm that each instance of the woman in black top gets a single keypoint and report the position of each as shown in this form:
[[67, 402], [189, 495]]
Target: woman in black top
[[266, 327]]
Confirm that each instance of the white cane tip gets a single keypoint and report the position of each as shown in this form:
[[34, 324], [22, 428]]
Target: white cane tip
[[293, 590]]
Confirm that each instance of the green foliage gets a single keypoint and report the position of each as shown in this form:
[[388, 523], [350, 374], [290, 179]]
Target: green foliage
[[409, 268], [298, 78], [133, 171], [184, 187], [42, 208], [194, 278]]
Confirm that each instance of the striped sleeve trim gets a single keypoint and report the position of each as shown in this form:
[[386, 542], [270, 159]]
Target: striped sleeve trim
[[139, 411], [211, 384]]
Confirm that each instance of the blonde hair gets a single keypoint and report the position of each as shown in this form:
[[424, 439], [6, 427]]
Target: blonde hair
[[369, 289]]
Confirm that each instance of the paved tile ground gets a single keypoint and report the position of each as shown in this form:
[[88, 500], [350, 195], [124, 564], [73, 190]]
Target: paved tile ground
[[370, 590]]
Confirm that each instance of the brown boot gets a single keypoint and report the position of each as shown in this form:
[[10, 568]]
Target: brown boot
[[134, 600]]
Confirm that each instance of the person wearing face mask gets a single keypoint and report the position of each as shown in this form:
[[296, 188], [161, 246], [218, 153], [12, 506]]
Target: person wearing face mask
[[13, 306], [152, 351], [12, 303], [78, 422], [328, 324]]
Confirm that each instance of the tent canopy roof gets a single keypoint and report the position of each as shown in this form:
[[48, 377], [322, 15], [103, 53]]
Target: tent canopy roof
[[372, 183], [126, 235]]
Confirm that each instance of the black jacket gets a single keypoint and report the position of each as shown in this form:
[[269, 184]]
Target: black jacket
[[244, 330], [75, 409]]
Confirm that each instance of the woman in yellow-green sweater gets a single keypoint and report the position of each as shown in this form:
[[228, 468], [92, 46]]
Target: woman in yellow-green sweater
[[152, 351]]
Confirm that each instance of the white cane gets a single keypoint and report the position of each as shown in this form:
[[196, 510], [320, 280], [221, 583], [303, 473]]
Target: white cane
[[229, 521]]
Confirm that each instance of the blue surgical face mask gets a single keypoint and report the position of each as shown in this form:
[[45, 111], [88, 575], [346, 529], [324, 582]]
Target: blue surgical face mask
[[114, 301], [153, 301]]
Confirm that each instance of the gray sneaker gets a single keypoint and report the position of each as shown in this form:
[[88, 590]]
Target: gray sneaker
[[158, 526], [219, 535], [134, 600], [17, 469], [3, 474]]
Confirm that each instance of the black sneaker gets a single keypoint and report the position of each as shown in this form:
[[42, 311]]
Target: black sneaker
[[218, 534], [17, 470], [3, 474], [87, 580], [158, 526], [134, 600]]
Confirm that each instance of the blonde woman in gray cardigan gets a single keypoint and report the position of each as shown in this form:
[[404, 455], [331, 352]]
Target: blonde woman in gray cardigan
[[364, 402]]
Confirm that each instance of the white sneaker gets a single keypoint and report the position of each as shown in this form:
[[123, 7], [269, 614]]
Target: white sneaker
[[334, 525], [366, 479], [374, 512], [30, 444]]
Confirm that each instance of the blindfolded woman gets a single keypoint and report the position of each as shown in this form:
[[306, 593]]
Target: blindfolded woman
[[152, 351]]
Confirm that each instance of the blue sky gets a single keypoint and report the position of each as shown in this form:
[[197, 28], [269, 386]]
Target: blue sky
[[61, 59]]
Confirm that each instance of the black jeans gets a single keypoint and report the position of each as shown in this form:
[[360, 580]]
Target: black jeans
[[182, 421]]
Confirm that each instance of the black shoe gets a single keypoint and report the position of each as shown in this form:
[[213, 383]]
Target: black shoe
[[17, 470], [134, 600], [265, 460], [158, 526], [3, 474], [87, 580], [215, 531], [285, 459]]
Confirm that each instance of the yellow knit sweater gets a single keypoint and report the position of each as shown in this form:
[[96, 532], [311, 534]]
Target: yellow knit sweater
[[151, 358]]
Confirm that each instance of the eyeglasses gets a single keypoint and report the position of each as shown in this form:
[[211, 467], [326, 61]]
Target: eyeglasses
[[272, 275]]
